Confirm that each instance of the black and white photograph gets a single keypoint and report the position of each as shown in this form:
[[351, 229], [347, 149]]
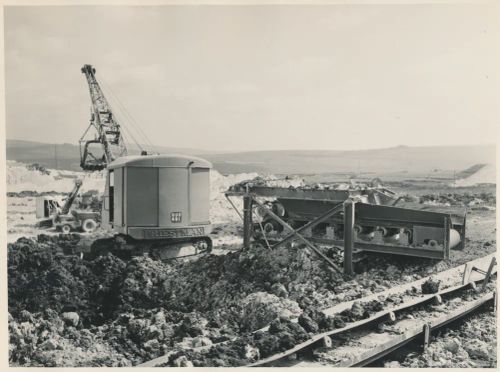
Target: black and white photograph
[[250, 184]]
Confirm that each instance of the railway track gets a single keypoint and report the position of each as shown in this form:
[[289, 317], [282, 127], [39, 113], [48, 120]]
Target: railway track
[[364, 341]]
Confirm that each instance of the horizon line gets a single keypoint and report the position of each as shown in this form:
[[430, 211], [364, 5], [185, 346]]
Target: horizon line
[[269, 150]]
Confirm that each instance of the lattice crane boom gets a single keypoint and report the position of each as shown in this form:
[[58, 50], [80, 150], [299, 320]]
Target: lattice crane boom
[[108, 132]]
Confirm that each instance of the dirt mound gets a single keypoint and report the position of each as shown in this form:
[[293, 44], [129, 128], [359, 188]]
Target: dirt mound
[[140, 308], [40, 276], [22, 177], [479, 174]]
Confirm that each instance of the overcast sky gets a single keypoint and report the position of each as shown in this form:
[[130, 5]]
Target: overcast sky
[[260, 77]]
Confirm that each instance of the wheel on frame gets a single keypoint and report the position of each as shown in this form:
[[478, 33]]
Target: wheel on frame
[[66, 229]]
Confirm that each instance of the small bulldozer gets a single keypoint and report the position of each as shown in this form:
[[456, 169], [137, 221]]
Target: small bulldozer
[[64, 218]]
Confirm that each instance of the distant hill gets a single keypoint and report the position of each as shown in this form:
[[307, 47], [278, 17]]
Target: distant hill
[[401, 159], [67, 156]]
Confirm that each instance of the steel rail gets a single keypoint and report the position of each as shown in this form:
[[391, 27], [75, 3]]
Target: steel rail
[[385, 313], [377, 317], [385, 349]]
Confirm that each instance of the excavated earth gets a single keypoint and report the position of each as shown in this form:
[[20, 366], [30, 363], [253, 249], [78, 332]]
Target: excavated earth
[[473, 344], [67, 311]]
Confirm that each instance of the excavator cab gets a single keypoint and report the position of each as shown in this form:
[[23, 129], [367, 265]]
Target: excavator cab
[[159, 204]]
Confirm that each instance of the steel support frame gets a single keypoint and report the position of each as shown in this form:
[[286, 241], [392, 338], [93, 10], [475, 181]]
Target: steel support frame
[[488, 273], [349, 244], [311, 224], [247, 220], [349, 218], [291, 229]]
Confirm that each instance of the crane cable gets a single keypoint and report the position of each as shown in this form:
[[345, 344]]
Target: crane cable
[[127, 115], [122, 113], [129, 134]]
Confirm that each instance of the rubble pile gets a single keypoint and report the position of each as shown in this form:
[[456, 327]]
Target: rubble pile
[[473, 344], [459, 199], [142, 307], [50, 340], [282, 335]]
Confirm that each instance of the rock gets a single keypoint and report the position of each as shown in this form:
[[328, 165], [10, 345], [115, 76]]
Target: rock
[[159, 317], [308, 324], [26, 316], [260, 308], [27, 328], [338, 322], [192, 325], [186, 343], [352, 293], [357, 310], [392, 364], [153, 332], [391, 270], [137, 326], [395, 299], [407, 278], [49, 345], [387, 284], [219, 362], [182, 361], [453, 345], [152, 345], [378, 289], [251, 353], [279, 290], [200, 341], [70, 318], [477, 349], [326, 356], [366, 293], [430, 286], [285, 314]]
